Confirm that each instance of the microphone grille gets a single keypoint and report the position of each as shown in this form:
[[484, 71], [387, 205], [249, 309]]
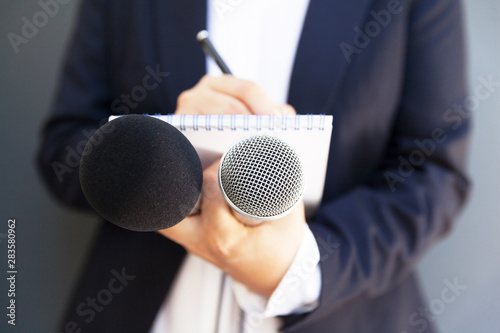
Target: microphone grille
[[262, 177]]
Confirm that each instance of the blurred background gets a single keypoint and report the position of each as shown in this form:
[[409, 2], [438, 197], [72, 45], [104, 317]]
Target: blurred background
[[51, 240]]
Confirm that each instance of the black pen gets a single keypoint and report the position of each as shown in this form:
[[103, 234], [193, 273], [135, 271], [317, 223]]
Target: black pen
[[210, 51]]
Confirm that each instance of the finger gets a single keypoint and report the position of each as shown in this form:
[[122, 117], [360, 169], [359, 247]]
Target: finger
[[206, 101], [288, 110], [185, 232], [248, 92], [222, 219], [211, 192]]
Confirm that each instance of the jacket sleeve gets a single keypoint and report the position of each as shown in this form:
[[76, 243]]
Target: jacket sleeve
[[371, 237], [82, 103]]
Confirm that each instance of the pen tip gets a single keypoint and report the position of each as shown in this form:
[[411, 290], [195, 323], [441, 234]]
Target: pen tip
[[202, 35]]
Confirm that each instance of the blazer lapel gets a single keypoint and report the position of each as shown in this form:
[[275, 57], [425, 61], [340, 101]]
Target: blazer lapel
[[320, 63]]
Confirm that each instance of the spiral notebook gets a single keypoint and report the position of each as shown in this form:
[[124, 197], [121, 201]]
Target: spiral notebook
[[309, 135]]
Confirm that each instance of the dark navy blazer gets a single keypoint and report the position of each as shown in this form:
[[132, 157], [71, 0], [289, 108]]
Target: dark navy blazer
[[389, 72]]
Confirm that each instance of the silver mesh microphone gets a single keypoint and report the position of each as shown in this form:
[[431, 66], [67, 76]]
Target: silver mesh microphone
[[261, 178]]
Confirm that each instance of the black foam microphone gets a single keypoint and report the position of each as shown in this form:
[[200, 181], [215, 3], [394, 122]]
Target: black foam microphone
[[261, 178], [143, 174]]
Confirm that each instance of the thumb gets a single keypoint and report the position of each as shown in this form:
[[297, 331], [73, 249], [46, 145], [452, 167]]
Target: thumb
[[185, 232]]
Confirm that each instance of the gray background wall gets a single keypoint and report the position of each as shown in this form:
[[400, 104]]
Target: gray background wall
[[52, 240]]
